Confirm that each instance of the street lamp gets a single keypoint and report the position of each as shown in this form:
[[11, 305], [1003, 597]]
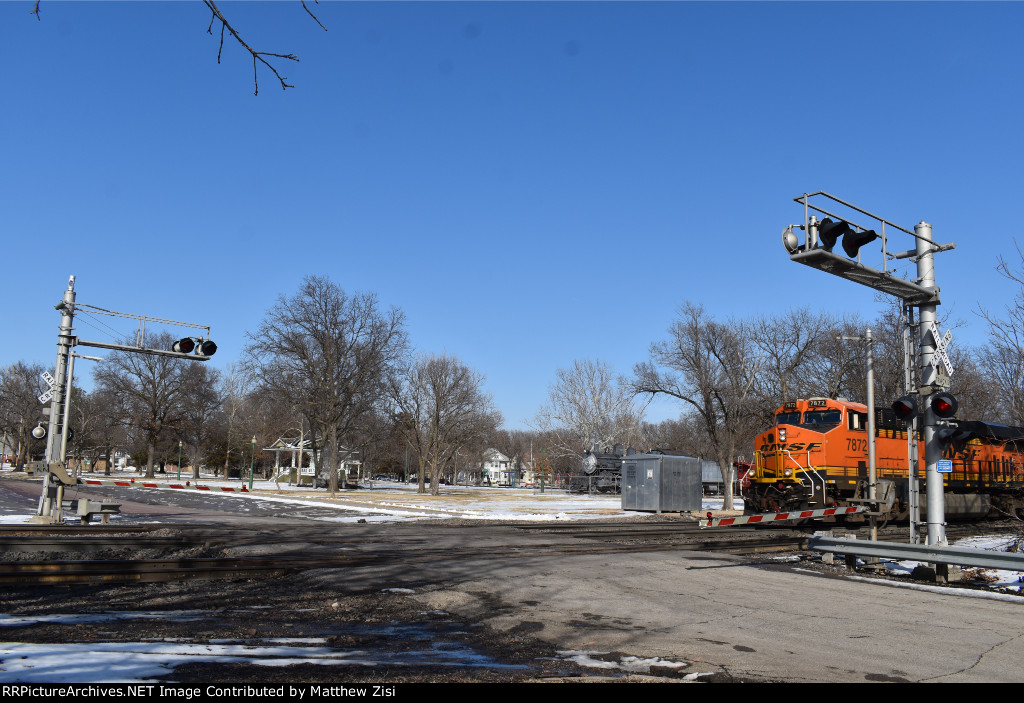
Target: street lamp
[[252, 461], [179, 459]]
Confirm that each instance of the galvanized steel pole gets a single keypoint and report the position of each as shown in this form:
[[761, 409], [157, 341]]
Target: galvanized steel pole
[[872, 472], [913, 460], [55, 437], [932, 451]]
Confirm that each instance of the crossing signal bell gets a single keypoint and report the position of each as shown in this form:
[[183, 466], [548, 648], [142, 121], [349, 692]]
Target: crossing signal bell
[[829, 233]]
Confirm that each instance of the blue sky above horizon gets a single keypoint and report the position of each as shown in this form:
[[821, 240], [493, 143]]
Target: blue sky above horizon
[[532, 183]]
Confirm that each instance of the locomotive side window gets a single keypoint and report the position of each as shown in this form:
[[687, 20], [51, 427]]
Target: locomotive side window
[[822, 417], [856, 420], [792, 418]]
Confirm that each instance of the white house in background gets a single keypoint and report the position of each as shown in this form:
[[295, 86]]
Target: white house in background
[[497, 469]]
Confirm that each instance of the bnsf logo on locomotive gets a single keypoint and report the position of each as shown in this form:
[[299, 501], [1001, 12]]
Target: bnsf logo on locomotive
[[792, 446]]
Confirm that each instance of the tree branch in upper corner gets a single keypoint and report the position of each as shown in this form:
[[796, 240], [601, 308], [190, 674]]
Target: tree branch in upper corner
[[257, 56]]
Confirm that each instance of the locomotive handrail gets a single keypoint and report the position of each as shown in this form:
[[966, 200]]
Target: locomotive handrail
[[810, 469]]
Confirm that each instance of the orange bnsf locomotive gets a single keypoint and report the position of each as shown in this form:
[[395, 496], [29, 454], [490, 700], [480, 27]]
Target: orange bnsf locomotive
[[816, 456]]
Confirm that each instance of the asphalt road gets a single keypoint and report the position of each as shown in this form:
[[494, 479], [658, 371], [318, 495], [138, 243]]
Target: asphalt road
[[720, 613], [174, 506]]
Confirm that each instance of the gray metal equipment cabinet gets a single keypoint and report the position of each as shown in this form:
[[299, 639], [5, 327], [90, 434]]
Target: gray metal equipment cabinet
[[661, 483]]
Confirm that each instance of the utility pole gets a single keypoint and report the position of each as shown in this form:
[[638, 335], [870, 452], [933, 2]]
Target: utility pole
[[872, 472], [872, 498]]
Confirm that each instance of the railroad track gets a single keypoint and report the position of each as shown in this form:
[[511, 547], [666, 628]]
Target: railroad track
[[92, 571], [599, 538]]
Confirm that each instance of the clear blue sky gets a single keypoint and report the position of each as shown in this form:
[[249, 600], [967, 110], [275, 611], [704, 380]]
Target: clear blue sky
[[531, 182]]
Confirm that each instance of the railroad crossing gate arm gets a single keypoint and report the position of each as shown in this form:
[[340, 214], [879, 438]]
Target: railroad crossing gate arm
[[776, 517]]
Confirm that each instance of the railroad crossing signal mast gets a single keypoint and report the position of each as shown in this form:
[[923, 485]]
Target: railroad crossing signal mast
[[820, 237], [55, 477]]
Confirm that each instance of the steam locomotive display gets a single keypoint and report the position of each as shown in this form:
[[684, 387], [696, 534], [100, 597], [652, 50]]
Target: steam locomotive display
[[816, 456], [601, 471]]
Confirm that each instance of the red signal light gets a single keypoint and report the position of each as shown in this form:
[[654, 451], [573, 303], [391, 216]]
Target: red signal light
[[944, 405], [905, 408]]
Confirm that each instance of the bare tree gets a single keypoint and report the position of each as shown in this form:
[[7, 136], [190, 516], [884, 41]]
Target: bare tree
[[442, 409], [329, 354], [588, 405], [235, 388], [150, 386], [1003, 357], [785, 343], [21, 385], [85, 416], [833, 368], [107, 425], [201, 405], [972, 384], [711, 367], [685, 436]]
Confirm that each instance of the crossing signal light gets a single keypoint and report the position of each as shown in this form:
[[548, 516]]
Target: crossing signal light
[[945, 435], [944, 405], [905, 408], [829, 233], [855, 240], [187, 345], [955, 437], [959, 439]]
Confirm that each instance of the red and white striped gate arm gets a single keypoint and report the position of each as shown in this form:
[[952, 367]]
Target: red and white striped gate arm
[[132, 483], [776, 517]]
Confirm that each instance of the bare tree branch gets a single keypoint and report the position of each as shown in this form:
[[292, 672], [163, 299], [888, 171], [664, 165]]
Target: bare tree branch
[[310, 13], [256, 55]]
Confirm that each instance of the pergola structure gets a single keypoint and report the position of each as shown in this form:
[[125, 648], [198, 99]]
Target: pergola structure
[[297, 445]]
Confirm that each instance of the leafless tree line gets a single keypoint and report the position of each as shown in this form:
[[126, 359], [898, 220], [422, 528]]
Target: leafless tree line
[[729, 376], [332, 367], [338, 369]]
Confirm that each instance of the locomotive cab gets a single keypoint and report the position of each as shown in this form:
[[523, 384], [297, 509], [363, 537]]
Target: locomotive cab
[[808, 435]]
